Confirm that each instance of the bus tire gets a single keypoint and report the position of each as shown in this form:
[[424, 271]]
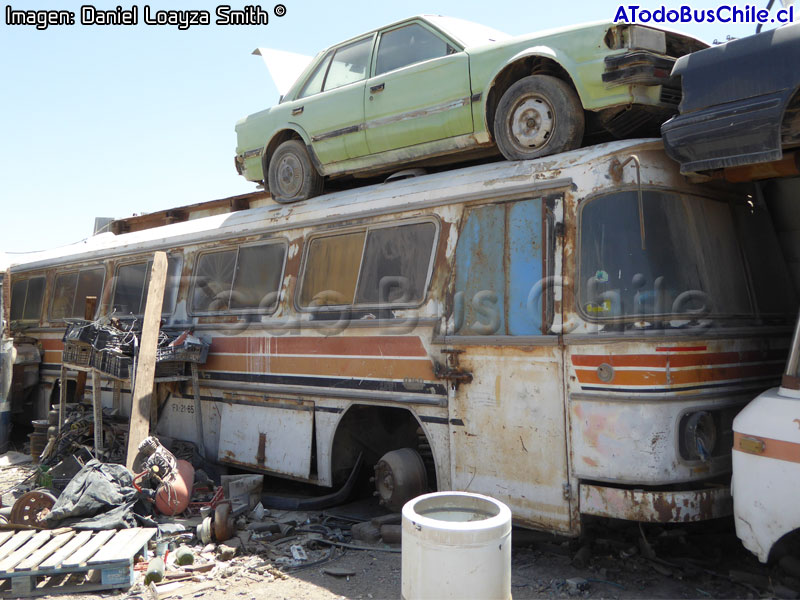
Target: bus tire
[[292, 176], [537, 116]]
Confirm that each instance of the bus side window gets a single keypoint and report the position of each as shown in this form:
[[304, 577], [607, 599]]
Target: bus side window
[[395, 264], [71, 289], [500, 270], [26, 299], [331, 270], [384, 266], [245, 278], [132, 282]]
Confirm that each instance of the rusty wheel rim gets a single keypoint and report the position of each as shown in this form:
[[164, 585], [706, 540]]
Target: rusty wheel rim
[[32, 508]]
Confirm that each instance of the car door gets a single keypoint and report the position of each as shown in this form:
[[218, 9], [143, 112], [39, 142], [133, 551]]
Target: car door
[[330, 107], [419, 91]]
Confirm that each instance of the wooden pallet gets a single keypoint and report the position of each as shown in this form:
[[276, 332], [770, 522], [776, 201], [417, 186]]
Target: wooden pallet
[[35, 563]]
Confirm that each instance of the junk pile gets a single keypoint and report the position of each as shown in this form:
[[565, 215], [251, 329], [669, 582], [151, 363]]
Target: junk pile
[[111, 347], [165, 527]]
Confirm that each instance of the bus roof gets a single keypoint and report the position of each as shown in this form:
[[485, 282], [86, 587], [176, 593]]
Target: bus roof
[[499, 179]]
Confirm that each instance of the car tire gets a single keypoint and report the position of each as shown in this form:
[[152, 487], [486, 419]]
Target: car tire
[[537, 116], [292, 176]]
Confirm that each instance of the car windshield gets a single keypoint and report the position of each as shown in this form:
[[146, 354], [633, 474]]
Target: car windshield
[[679, 256], [467, 32]]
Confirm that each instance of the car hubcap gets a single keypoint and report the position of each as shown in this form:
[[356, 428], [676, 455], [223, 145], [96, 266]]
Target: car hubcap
[[532, 122], [290, 175]]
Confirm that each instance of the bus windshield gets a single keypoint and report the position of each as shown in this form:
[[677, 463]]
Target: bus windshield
[[681, 257]]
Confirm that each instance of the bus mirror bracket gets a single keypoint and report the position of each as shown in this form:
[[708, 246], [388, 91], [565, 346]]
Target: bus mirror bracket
[[616, 174]]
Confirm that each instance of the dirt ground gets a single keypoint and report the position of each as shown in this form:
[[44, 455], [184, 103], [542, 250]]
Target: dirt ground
[[611, 560]]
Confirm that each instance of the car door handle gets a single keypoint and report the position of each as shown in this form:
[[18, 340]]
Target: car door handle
[[298, 110], [377, 88]]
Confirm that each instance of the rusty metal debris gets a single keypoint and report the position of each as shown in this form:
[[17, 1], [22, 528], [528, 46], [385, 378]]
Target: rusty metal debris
[[31, 508]]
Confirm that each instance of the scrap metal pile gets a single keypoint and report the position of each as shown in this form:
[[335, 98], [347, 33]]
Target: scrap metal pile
[[111, 347], [205, 531]]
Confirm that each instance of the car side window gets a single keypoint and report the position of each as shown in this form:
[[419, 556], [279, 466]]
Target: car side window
[[408, 45], [314, 83], [349, 64]]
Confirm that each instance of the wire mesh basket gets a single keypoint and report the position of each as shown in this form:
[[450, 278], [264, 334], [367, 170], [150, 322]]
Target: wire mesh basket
[[77, 353]]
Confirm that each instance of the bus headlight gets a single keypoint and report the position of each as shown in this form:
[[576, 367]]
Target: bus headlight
[[699, 435]]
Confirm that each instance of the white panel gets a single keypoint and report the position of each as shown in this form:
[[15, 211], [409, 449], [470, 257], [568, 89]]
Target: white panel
[[287, 434]]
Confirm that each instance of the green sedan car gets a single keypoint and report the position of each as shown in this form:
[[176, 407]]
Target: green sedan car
[[432, 90]]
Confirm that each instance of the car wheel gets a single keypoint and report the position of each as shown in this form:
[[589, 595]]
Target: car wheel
[[537, 116], [292, 176]]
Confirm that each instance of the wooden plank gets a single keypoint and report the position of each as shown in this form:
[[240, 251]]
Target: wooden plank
[[112, 546], [36, 542], [65, 588], [100, 538], [15, 542], [130, 548], [62, 396], [42, 553], [198, 411], [97, 408], [4, 536], [74, 544], [146, 364]]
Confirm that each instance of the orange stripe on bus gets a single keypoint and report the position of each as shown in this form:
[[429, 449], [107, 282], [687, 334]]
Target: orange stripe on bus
[[327, 366], [678, 360], [777, 449], [619, 360], [724, 373], [337, 345], [51, 357], [51, 344], [644, 378], [652, 377]]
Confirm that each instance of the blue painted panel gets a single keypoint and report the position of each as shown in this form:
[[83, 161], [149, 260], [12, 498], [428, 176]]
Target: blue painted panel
[[479, 305], [525, 267]]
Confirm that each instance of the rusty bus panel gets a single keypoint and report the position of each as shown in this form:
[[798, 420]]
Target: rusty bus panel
[[683, 506]]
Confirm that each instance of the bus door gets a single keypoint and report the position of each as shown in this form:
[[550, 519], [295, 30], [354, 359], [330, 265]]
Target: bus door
[[507, 427]]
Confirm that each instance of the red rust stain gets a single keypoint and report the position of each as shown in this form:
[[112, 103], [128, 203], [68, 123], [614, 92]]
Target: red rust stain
[[667, 511]]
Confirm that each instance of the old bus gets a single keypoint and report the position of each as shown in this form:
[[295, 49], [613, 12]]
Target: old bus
[[572, 335]]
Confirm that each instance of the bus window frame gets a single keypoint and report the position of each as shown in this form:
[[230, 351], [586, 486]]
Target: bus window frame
[[78, 271], [23, 322], [551, 247], [723, 196], [283, 241], [147, 261], [366, 228]]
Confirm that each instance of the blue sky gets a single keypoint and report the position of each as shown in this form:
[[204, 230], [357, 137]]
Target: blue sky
[[116, 120]]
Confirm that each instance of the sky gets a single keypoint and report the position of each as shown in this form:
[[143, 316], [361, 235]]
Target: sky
[[111, 121]]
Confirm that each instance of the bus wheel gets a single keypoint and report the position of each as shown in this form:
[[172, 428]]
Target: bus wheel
[[537, 116], [292, 175], [400, 475]]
